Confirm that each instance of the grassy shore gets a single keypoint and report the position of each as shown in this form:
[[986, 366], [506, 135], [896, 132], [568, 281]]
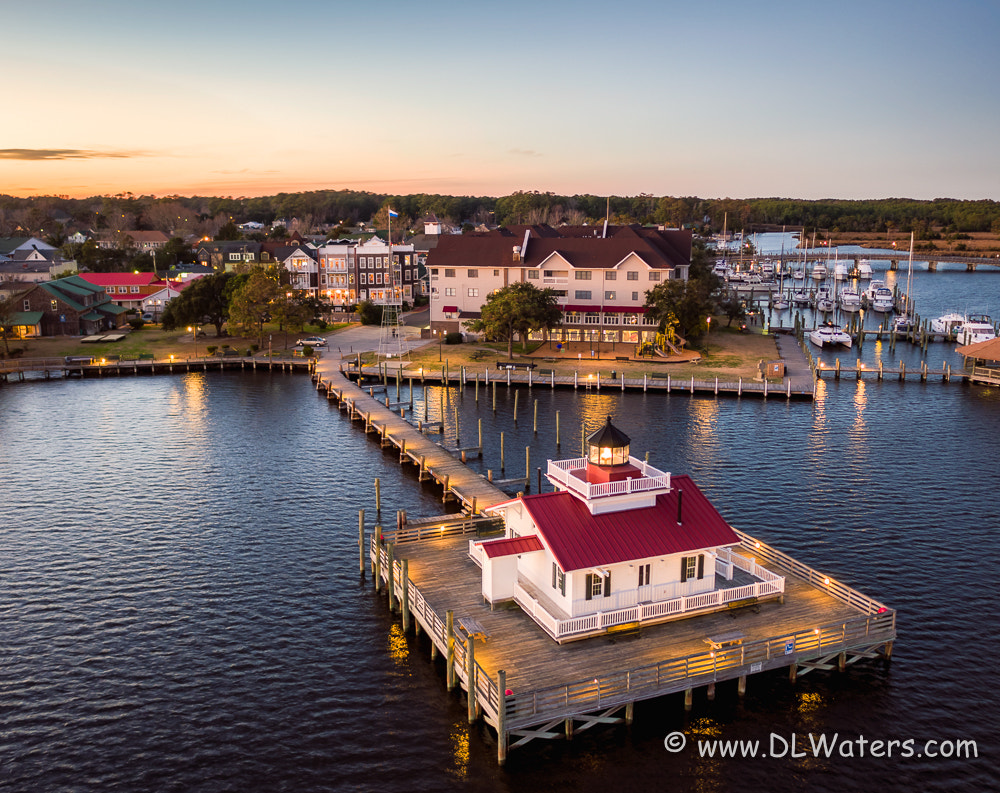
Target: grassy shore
[[978, 244]]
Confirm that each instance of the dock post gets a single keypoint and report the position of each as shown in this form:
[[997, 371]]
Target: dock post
[[501, 453], [645, 376], [361, 542], [391, 570], [447, 482], [710, 692], [527, 468], [668, 383], [423, 468], [516, 394], [535, 425], [857, 370], [741, 685], [576, 378], [629, 713], [378, 496], [880, 370], [842, 662], [538, 472], [378, 559], [477, 388], [688, 698], [902, 370], [947, 372], [470, 671], [404, 575], [739, 387], [450, 626], [557, 430], [402, 450], [836, 373], [494, 396], [568, 728], [480, 438], [474, 508], [502, 717], [793, 673]]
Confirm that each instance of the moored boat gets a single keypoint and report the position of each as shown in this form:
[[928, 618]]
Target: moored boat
[[977, 328], [830, 335], [850, 299], [947, 323]]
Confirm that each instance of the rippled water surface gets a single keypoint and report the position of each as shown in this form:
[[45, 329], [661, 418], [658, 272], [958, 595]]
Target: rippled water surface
[[180, 607]]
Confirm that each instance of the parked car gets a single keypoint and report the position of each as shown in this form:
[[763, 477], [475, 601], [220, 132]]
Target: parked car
[[313, 341]]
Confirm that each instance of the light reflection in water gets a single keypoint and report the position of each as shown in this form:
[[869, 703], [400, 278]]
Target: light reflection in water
[[396, 646], [460, 749]]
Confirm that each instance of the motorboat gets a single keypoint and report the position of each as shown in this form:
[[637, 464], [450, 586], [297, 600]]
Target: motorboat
[[947, 323], [798, 274], [977, 328], [850, 299], [873, 287], [840, 271], [780, 303], [819, 271], [824, 299], [883, 301], [865, 269], [830, 335], [903, 323]]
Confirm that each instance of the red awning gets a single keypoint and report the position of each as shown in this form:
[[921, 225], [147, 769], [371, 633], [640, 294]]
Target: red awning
[[606, 309], [512, 545], [450, 309]]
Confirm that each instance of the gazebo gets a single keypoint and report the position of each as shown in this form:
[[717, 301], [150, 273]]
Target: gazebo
[[984, 357]]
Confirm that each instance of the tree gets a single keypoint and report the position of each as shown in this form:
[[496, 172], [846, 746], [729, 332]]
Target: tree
[[205, 300], [291, 310], [369, 313], [517, 308], [8, 307], [228, 231], [251, 304], [687, 302]]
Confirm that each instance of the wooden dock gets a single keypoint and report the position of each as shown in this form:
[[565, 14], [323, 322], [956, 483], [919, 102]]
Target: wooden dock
[[20, 370], [527, 686]]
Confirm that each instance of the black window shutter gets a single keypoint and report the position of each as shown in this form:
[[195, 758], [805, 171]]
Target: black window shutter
[[701, 566], [562, 583], [553, 575], [684, 569], [607, 585], [590, 586]]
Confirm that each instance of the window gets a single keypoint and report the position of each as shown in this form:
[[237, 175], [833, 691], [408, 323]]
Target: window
[[449, 273], [609, 295], [582, 275], [643, 575], [406, 275], [635, 295], [473, 273], [611, 319], [558, 579], [496, 273], [610, 275], [434, 271], [532, 275], [378, 278], [449, 291], [591, 318], [473, 293], [598, 586], [632, 275], [582, 294], [234, 257], [572, 318], [53, 305], [364, 278], [122, 290], [654, 276], [630, 319], [27, 305], [692, 567]]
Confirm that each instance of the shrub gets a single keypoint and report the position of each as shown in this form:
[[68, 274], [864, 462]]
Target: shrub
[[322, 324], [307, 351], [211, 349], [136, 324], [453, 337], [255, 346]]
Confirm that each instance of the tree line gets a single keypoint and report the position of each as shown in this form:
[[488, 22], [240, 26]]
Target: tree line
[[323, 210]]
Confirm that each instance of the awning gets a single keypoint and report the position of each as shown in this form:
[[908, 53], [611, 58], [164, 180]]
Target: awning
[[470, 315], [450, 309], [606, 309]]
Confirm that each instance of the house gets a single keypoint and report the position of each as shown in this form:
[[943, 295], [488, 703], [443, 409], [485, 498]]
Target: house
[[618, 542], [72, 307], [376, 281], [10, 244], [155, 303], [337, 277], [302, 264], [230, 254], [141, 241], [24, 325], [34, 265], [127, 290], [600, 276]]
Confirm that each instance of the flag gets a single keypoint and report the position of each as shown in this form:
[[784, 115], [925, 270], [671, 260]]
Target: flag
[[393, 213]]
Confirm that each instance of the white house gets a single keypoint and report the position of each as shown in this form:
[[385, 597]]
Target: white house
[[156, 302], [619, 542]]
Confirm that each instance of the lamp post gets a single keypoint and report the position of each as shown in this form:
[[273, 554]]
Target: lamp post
[[194, 338], [440, 335]]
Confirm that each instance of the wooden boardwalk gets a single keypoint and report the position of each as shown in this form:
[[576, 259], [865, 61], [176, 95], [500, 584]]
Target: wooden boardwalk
[[22, 369]]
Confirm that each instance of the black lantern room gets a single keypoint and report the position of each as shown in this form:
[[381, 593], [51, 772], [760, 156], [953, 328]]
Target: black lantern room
[[608, 446]]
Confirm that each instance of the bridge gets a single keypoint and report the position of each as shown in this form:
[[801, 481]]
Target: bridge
[[971, 262]]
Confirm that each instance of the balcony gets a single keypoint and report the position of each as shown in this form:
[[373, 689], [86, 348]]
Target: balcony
[[561, 471]]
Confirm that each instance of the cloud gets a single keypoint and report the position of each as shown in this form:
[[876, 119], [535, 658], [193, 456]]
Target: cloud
[[64, 154], [525, 152]]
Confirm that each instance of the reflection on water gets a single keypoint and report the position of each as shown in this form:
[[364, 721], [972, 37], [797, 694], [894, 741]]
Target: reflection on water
[[460, 749]]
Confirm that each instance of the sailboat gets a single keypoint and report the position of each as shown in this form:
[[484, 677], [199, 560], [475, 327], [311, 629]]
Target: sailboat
[[904, 321]]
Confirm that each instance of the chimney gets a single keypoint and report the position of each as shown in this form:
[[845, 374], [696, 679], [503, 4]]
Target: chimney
[[680, 498], [517, 253]]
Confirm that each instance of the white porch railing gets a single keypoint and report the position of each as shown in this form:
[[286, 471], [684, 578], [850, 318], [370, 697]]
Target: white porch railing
[[651, 479], [642, 612]]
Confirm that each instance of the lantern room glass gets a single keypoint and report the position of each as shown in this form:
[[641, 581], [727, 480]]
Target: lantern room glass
[[608, 455]]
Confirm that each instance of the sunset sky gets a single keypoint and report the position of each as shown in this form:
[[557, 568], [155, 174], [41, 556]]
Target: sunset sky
[[715, 98]]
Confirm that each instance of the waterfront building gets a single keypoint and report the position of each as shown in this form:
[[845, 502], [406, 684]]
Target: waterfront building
[[127, 290], [600, 276], [618, 542], [72, 306]]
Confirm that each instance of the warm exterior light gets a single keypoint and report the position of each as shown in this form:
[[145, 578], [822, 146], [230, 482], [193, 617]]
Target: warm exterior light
[[608, 446]]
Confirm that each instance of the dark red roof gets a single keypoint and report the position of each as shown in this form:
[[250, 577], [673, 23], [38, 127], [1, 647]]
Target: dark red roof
[[607, 309], [512, 545], [579, 540], [450, 309]]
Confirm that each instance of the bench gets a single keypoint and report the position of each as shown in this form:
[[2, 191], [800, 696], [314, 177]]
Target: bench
[[624, 629], [623, 358], [723, 640], [472, 628], [146, 356], [733, 605], [515, 365]]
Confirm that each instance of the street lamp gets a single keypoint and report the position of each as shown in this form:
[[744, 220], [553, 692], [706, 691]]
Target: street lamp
[[440, 335], [194, 338]]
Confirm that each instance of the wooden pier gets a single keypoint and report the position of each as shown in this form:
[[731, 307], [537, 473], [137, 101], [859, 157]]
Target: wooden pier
[[526, 686], [20, 370]]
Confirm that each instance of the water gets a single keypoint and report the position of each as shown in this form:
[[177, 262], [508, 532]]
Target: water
[[181, 608]]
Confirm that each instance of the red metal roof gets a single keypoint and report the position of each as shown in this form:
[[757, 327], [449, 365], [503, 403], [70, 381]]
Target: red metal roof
[[579, 540], [512, 545], [450, 309]]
